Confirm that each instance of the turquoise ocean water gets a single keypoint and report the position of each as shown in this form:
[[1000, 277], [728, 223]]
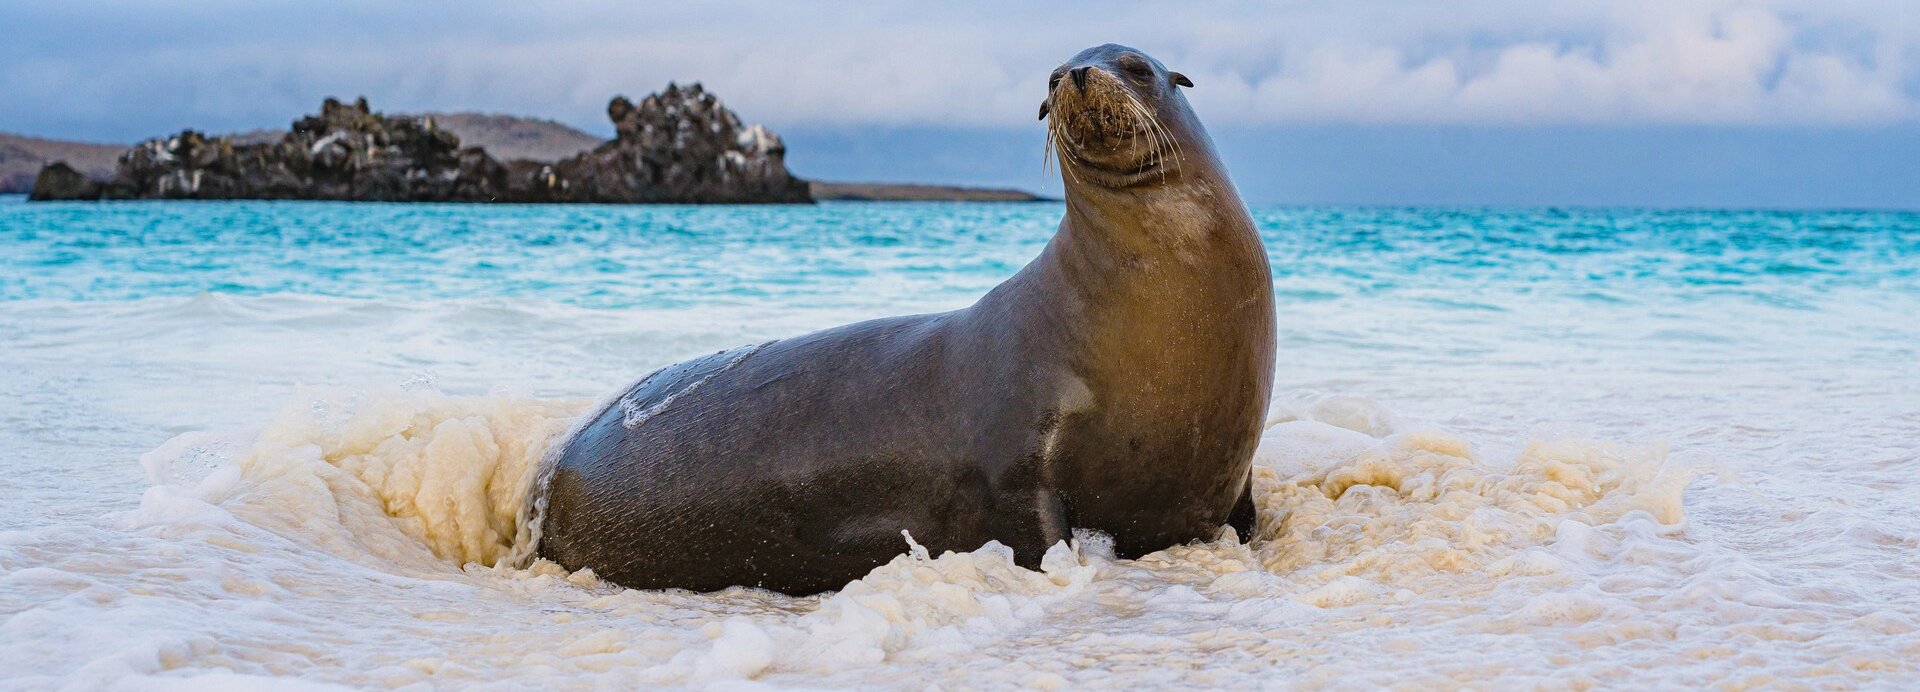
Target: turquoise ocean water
[[1545, 447], [604, 256]]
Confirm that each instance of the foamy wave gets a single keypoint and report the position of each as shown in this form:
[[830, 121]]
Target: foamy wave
[[415, 483], [414, 476], [916, 604], [1367, 517], [391, 472], [407, 468]]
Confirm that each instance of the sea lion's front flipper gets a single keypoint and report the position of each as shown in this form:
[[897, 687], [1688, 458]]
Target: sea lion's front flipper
[[1047, 521], [1243, 517]]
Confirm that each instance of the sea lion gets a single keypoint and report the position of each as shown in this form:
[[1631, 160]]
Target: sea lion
[[1116, 383]]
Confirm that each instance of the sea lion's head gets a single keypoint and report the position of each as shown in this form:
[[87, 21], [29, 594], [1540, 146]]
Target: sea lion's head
[[1116, 118]]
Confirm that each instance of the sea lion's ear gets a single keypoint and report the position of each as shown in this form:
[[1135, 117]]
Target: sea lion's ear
[[1043, 110], [1181, 80]]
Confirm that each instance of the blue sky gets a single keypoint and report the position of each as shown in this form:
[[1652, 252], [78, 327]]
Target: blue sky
[[1671, 103]]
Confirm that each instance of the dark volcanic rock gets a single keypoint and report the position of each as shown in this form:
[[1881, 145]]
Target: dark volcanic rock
[[680, 145], [347, 152], [59, 181]]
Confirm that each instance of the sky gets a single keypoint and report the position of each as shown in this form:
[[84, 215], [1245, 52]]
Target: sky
[[1801, 103]]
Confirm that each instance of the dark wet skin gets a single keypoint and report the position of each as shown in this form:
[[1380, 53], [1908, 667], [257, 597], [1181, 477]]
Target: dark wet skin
[[1116, 383]]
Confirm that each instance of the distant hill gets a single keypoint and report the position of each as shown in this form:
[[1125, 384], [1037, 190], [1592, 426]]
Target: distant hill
[[506, 137], [510, 137], [906, 192], [21, 158], [258, 136]]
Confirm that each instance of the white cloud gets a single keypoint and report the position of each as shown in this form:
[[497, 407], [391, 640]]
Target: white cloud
[[1806, 62]]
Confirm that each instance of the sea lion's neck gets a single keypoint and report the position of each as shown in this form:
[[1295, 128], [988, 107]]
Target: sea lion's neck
[[1185, 205], [1139, 265], [1190, 227]]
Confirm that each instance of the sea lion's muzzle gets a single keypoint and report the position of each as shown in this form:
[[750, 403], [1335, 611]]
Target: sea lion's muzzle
[[1098, 121], [1097, 110]]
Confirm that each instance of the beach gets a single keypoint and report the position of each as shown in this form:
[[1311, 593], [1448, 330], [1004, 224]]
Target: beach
[[1508, 447]]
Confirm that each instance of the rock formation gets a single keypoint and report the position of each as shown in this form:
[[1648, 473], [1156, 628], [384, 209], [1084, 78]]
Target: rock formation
[[677, 146], [680, 145], [60, 181], [347, 152]]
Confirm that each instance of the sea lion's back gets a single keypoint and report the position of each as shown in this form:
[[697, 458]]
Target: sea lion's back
[[754, 452]]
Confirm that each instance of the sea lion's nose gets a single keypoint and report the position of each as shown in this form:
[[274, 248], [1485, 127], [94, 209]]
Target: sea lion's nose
[[1080, 78]]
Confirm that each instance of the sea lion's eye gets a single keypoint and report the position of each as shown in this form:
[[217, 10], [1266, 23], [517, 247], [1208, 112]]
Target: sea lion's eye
[[1052, 82], [1139, 70]]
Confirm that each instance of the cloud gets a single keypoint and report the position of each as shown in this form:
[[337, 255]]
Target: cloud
[[122, 70], [1719, 63]]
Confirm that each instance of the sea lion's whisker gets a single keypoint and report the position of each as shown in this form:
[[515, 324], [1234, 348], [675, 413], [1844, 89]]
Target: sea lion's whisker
[[1160, 131], [1142, 123], [1046, 154], [1158, 156], [1179, 157], [1141, 128], [1167, 145], [1161, 140], [1143, 135], [1057, 145]]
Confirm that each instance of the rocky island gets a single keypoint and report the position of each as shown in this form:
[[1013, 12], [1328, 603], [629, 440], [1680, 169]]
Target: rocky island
[[680, 145]]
